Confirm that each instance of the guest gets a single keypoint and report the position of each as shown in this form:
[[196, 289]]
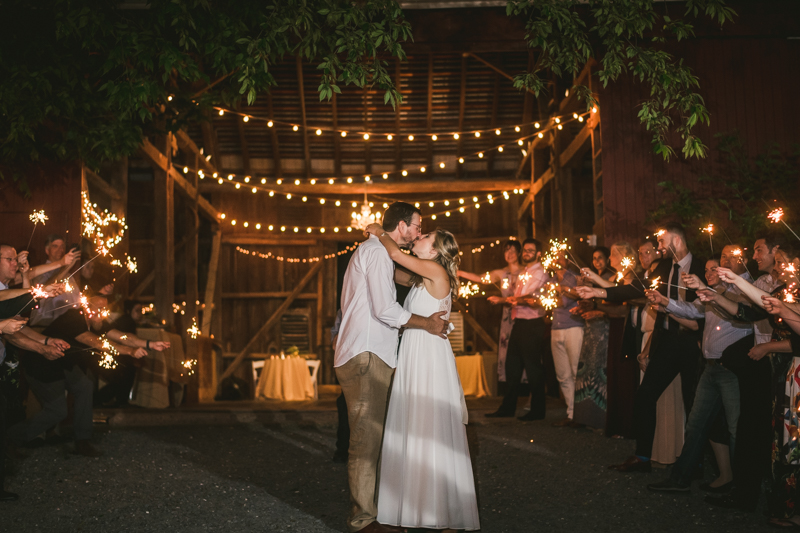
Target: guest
[[8, 326], [566, 334], [56, 251], [780, 496], [10, 266], [527, 337], [674, 350], [718, 388], [601, 265], [49, 379], [507, 278], [607, 379]]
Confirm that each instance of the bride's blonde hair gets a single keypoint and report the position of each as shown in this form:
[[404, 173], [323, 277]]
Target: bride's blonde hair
[[446, 255]]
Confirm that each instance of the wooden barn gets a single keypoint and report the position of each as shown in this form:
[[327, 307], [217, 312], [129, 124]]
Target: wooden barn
[[243, 222]]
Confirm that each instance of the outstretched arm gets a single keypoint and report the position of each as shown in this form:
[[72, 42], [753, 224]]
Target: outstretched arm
[[425, 268]]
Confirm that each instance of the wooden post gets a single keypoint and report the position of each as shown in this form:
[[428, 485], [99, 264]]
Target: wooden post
[[318, 339], [211, 282], [164, 236], [190, 261], [271, 320]]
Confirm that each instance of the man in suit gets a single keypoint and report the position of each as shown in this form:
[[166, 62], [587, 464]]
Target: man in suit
[[674, 349]]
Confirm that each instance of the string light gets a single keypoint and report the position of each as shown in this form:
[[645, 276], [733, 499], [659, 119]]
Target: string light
[[270, 255]]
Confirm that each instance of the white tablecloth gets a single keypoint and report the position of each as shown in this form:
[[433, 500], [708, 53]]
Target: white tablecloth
[[285, 379]]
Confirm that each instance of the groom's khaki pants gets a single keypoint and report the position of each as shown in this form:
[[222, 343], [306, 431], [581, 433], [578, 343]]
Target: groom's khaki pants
[[365, 381]]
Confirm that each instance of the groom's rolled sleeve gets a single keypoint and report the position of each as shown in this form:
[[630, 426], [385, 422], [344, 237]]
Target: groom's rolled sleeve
[[382, 299]]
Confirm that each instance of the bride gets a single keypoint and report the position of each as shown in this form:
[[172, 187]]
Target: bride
[[426, 476]]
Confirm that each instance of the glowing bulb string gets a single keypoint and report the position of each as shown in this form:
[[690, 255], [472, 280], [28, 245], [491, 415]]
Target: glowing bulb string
[[461, 207], [270, 255], [234, 178], [366, 135]]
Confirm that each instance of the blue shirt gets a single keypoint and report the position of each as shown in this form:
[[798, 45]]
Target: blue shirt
[[562, 318]]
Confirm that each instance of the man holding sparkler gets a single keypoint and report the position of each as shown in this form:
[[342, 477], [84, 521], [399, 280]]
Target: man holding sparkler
[[674, 349], [527, 337], [55, 249], [11, 265], [50, 377], [718, 388]]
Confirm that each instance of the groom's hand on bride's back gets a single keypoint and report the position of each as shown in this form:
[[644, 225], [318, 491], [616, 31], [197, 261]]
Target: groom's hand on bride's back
[[437, 325]]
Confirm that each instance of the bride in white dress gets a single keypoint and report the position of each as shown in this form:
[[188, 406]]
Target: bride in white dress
[[426, 478]]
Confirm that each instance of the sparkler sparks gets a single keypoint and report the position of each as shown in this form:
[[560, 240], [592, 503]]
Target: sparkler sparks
[[104, 229], [655, 283], [194, 331], [130, 262], [486, 278], [189, 365], [776, 215], [788, 296], [38, 292], [468, 289], [710, 230], [505, 283], [660, 233], [108, 360], [38, 217], [524, 277]]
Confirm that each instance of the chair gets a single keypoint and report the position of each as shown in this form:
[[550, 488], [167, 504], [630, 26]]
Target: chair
[[257, 367], [313, 367], [456, 337]]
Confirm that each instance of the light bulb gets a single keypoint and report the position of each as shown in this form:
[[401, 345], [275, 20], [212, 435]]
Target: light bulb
[[269, 124], [405, 173], [497, 132], [272, 193], [416, 205], [366, 178], [389, 137], [433, 217], [430, 204], [366, 136], [410, 137], [455, 136], [185, 170], [541, 135], [330, 181], [279, 181], [258, 226], [322, 201], [254, 190], [246, 118], [499, 148], [288, 196], [344, 134], [477, 134], [441, 165], [560, 126], [263, 181], [434, 138], [295, 128], [221, 112], [386, 176], [558, 120], [305, 198], [297, 182], [318, 132], [447, 202], [516, 128], [422, 169], [460, 159], [338, 203], [270, 227], [480, 154]]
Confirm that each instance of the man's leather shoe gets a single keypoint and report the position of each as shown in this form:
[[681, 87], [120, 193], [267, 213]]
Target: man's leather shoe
[[499, 414], [632, 464], [731, 502], [668, 486], [562, 423], [8, 496], [530, 416], [85, 448]]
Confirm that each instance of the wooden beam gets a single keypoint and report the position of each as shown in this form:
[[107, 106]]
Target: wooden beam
[[164, 235], [187, 144], [190, 257], [304, 132], [411, 187], [276, 149], [462, 102], [337, 139], [211, 283], [101, 185], [368, 145], [165, 164], [398, 157], [476, 326], [320, 310], [243, 144], [152, 275], [266, 295], [429, 115], [575, 147], [272, 320]]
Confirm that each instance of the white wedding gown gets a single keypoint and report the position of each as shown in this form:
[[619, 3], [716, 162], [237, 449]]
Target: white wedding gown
[[426, 476]]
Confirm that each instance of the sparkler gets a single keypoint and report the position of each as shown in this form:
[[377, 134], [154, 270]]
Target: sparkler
[[788, 296], [655, 283], [776, 215], [468, 289], [108, 360], [628, 264], [710, 230], [505, 283], [189, 366], [737, 253], [194, 331], [36, 217]]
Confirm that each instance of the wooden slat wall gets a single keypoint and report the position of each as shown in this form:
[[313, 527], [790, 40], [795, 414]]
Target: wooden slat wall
[[748, 85]]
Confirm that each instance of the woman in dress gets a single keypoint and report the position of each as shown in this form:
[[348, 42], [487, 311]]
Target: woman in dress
[[426, 478], [506, 278]]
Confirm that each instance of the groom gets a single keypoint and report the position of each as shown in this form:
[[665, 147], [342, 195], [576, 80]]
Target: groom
[[366, 355]]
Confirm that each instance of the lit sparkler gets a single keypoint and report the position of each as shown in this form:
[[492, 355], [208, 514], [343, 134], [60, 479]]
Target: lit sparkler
[[737, 253], [130, 263], [38, 292], [36, 217], [108, 359], [788, 296], [776, 215], [655, 283], [189, 365], [505, 283], [194, 331], [710, 230], [486, 278], [525, 277], [468, 289]]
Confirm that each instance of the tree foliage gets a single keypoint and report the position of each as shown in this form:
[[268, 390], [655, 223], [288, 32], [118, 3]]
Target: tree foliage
[[623, 36], [744, 190], [87, 79]]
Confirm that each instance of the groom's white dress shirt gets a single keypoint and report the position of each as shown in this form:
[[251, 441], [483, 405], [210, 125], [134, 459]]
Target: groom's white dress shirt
[[371, 316]]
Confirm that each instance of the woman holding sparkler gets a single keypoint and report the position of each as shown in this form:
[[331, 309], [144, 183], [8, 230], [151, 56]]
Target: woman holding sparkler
[[506, 279]]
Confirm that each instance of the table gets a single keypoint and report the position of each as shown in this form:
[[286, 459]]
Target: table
[[285, 379], [151, 388], [472, 375]]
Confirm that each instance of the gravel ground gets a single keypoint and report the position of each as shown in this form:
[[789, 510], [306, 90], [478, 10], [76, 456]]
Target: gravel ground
[[254, 476]]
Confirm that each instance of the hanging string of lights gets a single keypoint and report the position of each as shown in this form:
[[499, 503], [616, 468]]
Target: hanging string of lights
[[389, 136], [241, 181], [270, 255], [458, 206]]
